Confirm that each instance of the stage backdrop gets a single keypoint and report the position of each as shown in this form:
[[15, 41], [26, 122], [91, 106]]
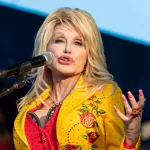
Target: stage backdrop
[[128, 19]]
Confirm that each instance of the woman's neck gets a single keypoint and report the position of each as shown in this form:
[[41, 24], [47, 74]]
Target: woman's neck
[[62, 87]]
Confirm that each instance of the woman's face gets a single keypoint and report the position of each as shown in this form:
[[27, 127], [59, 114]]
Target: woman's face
[[69, 52]]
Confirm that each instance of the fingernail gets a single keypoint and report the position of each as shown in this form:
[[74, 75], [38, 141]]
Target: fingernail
[[129, 94], [123, 97], [141, 92], [115, 108]]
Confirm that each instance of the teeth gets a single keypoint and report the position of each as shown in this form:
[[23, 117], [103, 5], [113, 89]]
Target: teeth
[[65, 59]]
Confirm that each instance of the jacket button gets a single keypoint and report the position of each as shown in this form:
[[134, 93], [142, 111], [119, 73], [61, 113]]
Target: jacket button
[[43, 140]]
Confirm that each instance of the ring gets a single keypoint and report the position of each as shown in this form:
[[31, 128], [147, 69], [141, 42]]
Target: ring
[[136, 112]]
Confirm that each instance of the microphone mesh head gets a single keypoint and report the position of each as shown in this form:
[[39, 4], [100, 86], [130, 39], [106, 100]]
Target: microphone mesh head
[[49, 57]]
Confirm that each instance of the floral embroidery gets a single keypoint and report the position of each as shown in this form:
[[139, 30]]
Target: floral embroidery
[[92, 97], [91, 147], [71, 147], [91, 104], [88, 120], [87, 117], [92, 137]]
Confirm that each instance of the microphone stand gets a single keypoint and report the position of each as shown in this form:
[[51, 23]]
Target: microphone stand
[[21, 82], [18, 85]]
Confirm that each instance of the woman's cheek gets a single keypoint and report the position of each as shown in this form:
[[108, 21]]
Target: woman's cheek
[[82, 58]]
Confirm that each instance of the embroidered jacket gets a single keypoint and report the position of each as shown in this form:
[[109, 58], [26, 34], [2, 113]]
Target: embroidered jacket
[[84, 122]]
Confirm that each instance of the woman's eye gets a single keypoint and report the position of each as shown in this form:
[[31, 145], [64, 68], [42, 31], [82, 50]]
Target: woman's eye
[[58, 41], [78, 43]]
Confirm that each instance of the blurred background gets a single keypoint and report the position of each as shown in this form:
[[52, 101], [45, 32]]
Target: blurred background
[[125, 29]]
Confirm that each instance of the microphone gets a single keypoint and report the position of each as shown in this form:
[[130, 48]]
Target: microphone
[[45, 58]]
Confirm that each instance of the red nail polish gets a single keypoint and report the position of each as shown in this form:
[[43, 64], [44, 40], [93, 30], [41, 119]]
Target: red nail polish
[[129, 94], [115, 109], [141, 92], [123, 98]]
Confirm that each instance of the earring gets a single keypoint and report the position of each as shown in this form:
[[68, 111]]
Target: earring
[[45, 71], [84, 69]]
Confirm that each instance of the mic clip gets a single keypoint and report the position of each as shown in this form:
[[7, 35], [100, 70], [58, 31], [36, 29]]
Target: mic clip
[[21, 80], [19, 84]]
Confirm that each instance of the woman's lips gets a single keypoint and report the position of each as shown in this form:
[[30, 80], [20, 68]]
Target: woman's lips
[[65, 60]]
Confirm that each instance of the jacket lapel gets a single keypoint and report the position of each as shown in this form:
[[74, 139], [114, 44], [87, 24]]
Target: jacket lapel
[[20, 119], [73, 100]]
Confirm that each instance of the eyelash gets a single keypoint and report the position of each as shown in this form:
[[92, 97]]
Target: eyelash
[[58, 41], [77, 42]]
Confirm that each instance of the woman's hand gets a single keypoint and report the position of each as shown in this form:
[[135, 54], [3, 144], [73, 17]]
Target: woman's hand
[[132, 119]]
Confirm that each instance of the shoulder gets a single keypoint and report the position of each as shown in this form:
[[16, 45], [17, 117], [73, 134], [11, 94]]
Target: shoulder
[[110, 90], [109, 97], [35, 100]]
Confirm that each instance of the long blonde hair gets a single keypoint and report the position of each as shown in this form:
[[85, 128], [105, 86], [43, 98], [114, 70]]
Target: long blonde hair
[[96, 68]]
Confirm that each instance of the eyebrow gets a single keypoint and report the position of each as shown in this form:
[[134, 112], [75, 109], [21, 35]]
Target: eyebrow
[[64, 35], [58, 33], [76, 37]]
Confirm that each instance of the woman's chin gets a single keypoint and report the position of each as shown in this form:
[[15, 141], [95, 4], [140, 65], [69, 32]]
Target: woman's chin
[[66, 73]]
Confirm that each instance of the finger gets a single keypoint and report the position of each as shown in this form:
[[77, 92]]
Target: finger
[[141, 99], [132, 100], [128, 109], [122, 116]]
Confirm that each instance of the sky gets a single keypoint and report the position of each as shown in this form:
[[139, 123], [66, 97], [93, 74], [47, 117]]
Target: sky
[[127, 19]]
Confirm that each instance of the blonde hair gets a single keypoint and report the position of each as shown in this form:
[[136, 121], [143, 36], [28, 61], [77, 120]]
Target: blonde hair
[[96, 69]]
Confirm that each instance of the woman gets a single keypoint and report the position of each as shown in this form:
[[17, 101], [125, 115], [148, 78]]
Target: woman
[[74, 103]]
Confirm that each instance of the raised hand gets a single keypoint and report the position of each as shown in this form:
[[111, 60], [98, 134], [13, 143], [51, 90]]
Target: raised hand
[[133, 116]]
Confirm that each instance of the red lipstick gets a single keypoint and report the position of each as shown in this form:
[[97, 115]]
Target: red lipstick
[[65, 60]]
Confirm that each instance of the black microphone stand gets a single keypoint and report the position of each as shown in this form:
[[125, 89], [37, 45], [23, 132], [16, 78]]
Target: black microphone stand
[[21, 80], [19, 84]]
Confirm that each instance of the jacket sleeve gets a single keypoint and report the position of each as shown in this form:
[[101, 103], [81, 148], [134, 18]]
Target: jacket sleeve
[[113, 125]]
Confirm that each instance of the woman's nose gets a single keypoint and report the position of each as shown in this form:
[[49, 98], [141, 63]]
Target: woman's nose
[[67, 49]]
